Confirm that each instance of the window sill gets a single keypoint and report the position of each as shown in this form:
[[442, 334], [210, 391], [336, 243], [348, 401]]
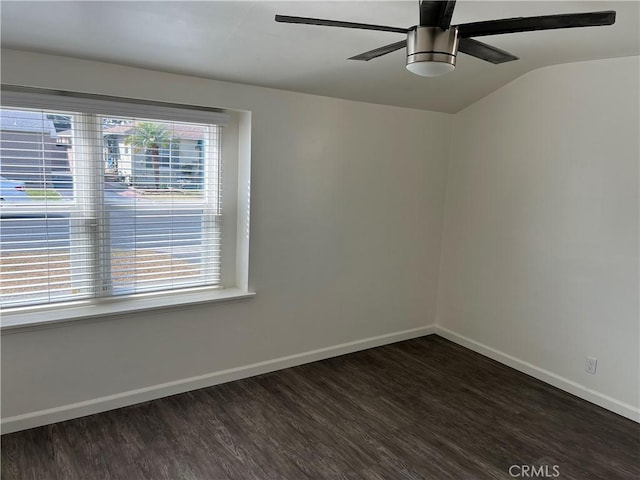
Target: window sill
[[27, 318]]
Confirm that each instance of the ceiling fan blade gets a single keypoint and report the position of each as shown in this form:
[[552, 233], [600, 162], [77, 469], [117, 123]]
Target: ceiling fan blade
[[429, 13], [436, 13], [378, 52], [446, 12], [484, 52], [528, 24], [336, 23]]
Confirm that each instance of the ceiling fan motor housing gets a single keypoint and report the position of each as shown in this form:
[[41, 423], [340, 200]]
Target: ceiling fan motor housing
[[431, 51]]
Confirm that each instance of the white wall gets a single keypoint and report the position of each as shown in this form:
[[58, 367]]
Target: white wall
[[540, 249], [347, 201]]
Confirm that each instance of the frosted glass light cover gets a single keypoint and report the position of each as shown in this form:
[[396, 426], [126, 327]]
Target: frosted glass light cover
[[430, 69]]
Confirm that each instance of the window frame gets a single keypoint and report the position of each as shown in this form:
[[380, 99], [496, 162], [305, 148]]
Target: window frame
[[234, 207]]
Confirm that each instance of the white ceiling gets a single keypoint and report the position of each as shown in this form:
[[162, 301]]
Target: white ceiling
[[239, 41]]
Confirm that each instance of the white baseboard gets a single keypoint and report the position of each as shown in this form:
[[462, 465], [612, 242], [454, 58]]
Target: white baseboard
[[546, 376], [102, 404]]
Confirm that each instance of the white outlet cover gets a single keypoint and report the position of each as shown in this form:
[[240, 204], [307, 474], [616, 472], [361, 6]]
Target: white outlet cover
[[591, 365]]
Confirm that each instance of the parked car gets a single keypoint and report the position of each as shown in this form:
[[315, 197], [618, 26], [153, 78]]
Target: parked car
[[12, 190]]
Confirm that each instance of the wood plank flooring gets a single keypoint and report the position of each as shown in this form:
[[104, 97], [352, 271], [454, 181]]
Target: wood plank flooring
[[420, 409]]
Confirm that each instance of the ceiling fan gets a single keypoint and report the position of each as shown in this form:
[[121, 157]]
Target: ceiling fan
[[432, 46]]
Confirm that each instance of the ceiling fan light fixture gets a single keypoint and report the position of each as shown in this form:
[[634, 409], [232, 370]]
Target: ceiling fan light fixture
[[430, 68], [431, 51]]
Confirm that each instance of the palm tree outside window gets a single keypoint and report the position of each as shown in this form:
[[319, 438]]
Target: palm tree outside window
[[151, 138]]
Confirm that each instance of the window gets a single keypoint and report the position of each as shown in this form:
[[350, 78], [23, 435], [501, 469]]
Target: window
[[100, 206]]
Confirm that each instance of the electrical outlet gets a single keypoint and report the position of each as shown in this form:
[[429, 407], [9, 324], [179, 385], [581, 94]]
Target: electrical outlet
[[590, 365]]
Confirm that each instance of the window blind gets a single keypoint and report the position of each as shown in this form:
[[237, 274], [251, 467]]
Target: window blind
[[98, 206], [29, 97]]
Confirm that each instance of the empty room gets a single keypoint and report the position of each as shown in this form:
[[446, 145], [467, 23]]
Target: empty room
[[377, 240]]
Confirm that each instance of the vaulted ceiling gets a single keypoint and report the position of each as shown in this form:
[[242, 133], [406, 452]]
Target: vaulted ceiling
[[240, 42]]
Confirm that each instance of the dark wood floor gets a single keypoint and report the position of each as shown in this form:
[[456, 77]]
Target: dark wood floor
[[421, 409]]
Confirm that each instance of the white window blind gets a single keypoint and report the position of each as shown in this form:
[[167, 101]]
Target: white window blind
[[98, 206]]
